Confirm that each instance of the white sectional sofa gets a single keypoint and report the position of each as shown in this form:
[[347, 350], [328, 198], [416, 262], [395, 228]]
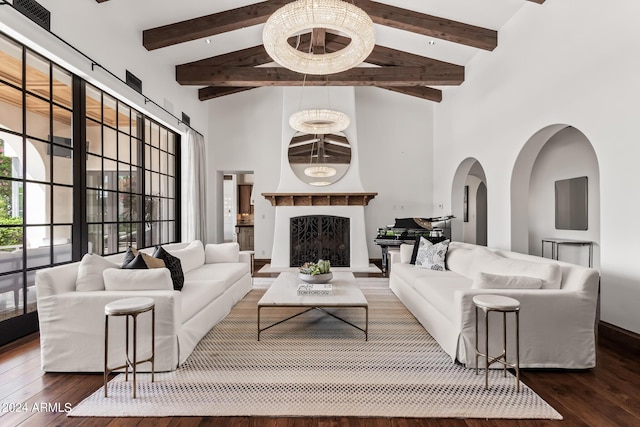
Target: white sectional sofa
[[72, 322], [557, 321]]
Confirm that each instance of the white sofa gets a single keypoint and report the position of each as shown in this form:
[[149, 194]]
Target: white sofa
[[72, 322], [557, 322]]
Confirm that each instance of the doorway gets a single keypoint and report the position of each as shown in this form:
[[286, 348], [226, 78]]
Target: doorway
[[238, 212], [469, 203]]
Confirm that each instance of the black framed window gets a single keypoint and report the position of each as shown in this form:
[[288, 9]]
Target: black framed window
[[60, 198], [131, 177]]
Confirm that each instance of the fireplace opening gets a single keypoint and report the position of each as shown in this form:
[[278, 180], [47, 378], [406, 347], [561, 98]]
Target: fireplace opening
[[315, 237]]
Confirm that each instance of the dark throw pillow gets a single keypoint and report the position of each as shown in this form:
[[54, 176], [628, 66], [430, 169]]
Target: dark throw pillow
[[414, 254], [129, 256], [174, 266], [136, 264]]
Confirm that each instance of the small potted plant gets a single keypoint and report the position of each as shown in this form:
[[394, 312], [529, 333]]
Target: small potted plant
[[312, 272]]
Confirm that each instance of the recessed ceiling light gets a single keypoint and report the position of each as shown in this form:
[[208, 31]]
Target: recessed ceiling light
[[432, 42], [208, 41]]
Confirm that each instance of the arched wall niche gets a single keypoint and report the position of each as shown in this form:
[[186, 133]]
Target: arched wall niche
[[554, 153], [469, 173]]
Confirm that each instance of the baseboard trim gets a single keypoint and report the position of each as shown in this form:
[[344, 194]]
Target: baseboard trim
[[619, 339]]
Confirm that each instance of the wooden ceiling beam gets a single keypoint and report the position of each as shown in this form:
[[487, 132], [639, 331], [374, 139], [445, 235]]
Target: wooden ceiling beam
[[210, 25], [211, 92], [428, 25], [249, 57], [318, 40], [256, 55], [381, 55], [276, 76], [258, 13], [423, 92]]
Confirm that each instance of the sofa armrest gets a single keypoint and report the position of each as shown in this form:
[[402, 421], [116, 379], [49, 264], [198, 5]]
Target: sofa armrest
[[72, 326], [394, 256], [83, 311], [556, 326]]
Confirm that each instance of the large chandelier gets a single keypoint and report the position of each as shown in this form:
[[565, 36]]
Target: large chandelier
[[319, 121], [303, 16]]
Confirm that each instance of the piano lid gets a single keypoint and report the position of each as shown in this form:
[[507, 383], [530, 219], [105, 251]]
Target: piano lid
[[425, 223]]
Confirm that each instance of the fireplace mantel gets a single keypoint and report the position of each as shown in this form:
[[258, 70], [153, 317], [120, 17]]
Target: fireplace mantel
[[319, 199]]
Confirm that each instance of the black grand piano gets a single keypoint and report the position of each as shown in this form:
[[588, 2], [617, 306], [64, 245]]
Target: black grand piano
[[406, 230]]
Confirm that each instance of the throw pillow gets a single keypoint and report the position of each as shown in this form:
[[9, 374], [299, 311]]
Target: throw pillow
[[431, 256], [90, 273], [459, 258], [191, 257], [174, 266], [221, 252], [486, 261], [129, 255], [137, 263], [137, 280], [133, 256], [498, 281]]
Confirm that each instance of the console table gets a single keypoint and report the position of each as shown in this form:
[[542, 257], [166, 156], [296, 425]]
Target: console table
[[556, 243]]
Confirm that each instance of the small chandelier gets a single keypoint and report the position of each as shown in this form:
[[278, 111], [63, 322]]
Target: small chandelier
[[305, 15], [320, 171], [319, 121]]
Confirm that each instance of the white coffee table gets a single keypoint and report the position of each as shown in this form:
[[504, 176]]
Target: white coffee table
[[345, 294]]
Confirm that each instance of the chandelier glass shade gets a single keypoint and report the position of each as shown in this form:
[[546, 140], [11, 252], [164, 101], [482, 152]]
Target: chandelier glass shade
[[320, 171], [319, 121], [303, 16]]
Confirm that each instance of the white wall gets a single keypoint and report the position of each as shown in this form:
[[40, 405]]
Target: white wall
[[245, 131], [571, 62], [396, 157], [394, 137]]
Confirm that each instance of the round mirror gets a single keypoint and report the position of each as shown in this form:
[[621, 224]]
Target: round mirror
[[321, 159]]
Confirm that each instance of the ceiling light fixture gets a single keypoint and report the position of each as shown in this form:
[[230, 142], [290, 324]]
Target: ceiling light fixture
[[320, 183], [319, 121], [320, 171], [305, 15]]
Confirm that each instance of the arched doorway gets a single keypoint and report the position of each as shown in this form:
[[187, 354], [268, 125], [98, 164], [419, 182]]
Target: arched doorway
[[468, 179], [555, 153]]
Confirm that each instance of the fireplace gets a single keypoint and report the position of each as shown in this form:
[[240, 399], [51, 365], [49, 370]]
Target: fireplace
[[315, 237]]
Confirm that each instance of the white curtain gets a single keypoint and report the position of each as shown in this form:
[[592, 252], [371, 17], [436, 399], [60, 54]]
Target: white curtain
[[195, 213]]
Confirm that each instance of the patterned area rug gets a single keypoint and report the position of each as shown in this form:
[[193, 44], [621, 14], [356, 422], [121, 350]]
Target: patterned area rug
[[315, 365]]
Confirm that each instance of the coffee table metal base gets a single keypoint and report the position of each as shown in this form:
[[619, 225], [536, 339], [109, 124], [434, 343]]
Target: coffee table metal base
[[308, 309]]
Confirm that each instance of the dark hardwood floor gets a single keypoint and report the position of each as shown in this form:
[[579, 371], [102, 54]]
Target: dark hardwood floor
[[608, 395]]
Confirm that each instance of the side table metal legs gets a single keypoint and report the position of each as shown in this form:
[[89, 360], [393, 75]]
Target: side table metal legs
[[131, 307], [501, 358]]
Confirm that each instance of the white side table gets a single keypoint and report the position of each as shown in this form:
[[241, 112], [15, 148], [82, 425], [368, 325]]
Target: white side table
[[501, 304], [129, 307]]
